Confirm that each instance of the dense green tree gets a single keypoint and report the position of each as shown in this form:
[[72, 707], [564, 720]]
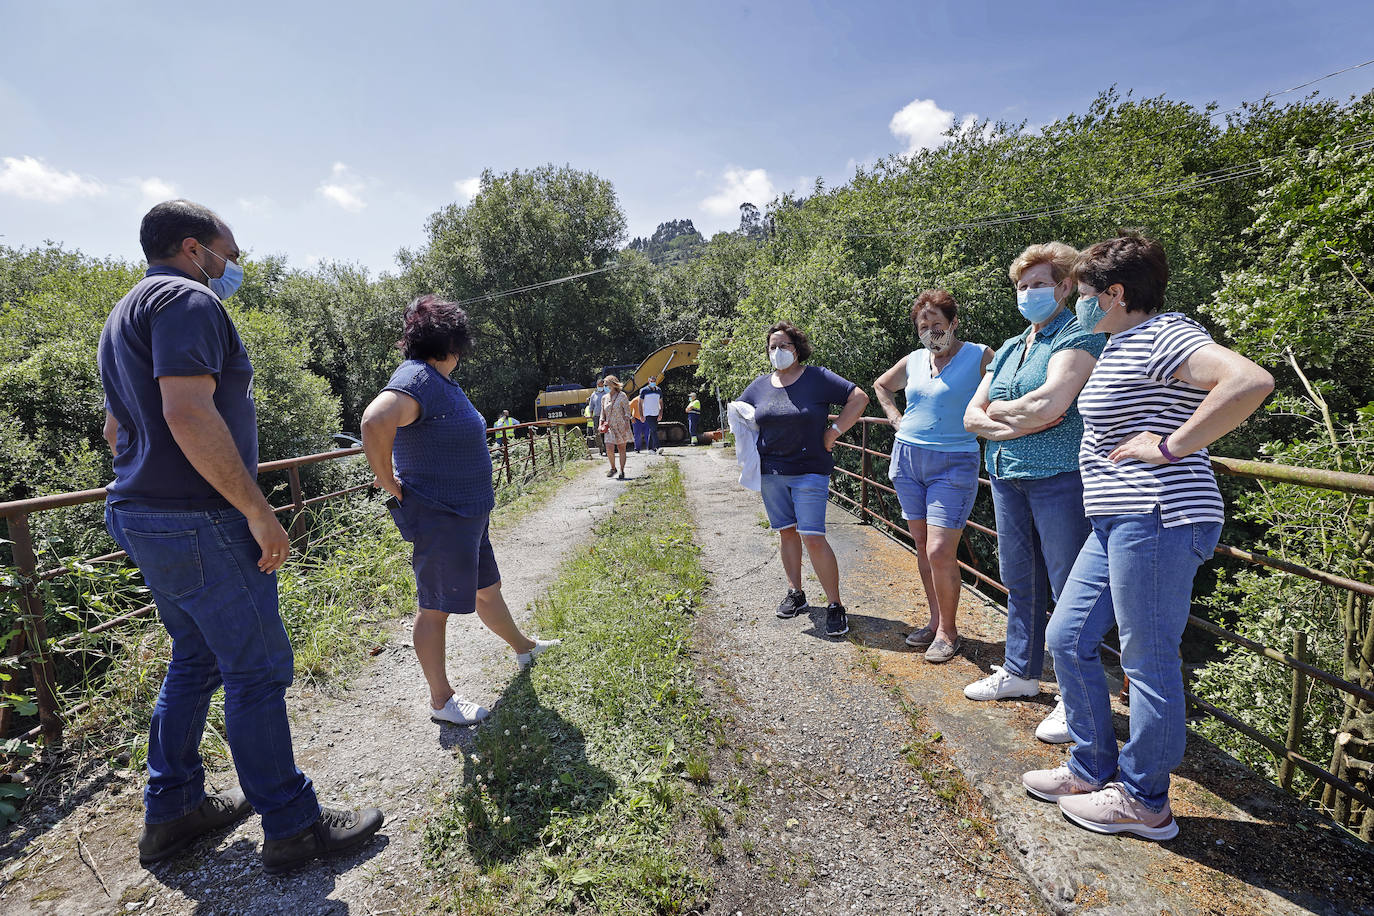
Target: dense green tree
[[523, 228]]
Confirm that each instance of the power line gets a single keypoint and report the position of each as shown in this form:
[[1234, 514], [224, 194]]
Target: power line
[[1043, 169], [1201, 180]]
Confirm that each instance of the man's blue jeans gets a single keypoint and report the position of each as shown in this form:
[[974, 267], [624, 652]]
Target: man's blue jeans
[[1040, 530], [692, 428], [1144, 570], [641, 436], [651, 426], [222, 615]]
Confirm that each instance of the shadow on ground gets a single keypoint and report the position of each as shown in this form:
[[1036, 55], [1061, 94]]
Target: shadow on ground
[[521, 765]]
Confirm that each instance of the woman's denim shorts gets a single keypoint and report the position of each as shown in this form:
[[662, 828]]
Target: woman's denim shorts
[[795, 501], [453, 556], [937, 487]]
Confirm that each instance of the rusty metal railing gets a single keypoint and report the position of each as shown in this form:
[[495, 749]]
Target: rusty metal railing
[[1286, 751], [32, 639]]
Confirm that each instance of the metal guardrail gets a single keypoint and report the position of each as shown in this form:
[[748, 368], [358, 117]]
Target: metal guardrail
[[1286, 750], [33, 637]]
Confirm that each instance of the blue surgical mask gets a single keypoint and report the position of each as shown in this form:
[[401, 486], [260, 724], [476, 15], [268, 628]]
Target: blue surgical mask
[[228, 284], [1090, 313], [1036, 305]]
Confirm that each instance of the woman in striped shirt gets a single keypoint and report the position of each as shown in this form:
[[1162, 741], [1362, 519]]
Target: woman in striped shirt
[[1161, 392]]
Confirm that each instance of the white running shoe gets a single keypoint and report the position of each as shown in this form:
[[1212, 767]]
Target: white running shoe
[[1054, 728], [524, 659], [458, 711], [1000, 685]]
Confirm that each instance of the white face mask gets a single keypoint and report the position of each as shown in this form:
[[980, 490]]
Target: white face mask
[[936, 341], [781, 357]]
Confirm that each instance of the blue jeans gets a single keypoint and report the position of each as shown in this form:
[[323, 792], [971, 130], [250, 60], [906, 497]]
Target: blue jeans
[[641, 437], [221, 612], [1145, 571], [1040, 530], [651, 429], [692, 428]]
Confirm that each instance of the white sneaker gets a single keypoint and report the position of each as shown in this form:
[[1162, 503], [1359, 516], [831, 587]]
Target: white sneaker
[[1000, 685], [458, 711], [524, 659], [1054, 728]]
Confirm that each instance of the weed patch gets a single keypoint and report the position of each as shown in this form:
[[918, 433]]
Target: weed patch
[[574, 794]]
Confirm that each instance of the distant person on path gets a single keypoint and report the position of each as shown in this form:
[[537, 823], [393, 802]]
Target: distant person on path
[[186, 507], [934, 466], [427, 445], [1032, 461], [637, 423], [693, 417], [505, 420], [795, 436], [615, 423], [594, 402], [1161, 393], [651, 402]]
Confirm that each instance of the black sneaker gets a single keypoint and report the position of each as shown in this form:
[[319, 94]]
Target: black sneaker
[[793, 604], [334, 832], [836, 620], [158, 842]]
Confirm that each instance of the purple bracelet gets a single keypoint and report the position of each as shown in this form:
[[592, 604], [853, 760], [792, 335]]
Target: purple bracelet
[[1164, 450]]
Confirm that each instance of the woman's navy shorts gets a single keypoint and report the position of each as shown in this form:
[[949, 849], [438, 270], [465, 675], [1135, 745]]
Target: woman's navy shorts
[[453, 556]]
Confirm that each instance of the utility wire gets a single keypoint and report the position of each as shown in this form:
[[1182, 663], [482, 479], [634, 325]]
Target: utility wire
[[1201, 180], [1043, 164]]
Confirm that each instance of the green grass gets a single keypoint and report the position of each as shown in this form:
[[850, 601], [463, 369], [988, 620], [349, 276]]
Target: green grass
[[574, 795], [337, 596]]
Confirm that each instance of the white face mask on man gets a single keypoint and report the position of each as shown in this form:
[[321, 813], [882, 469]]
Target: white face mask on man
[[781, 357]]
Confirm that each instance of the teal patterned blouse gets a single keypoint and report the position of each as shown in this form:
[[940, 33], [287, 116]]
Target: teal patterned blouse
[[1055, 450]]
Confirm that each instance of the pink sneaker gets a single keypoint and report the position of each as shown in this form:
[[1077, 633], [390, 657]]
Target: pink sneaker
[[1052, 785], [1113, 810]]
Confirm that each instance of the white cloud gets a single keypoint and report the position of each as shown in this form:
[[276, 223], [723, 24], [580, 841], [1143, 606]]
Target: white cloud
[[921, 124], [344, 188], [467, 189], [32, 179], [155, 190], [740, 186]]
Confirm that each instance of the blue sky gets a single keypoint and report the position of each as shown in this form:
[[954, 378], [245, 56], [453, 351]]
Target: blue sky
[[332, 130]]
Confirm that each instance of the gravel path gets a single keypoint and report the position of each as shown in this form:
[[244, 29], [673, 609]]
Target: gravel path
[[370, 744], [842, 822]]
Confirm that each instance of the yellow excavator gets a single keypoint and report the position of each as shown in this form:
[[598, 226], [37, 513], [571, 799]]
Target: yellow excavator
[[563, 403]]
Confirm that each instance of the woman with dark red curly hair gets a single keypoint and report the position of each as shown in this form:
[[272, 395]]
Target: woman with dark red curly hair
[[427, 445], [934, 466]]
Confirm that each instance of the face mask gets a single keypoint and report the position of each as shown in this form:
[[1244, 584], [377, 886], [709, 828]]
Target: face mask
[[781, 358], [1090, 313], [228, 284], [1036, 305], [936, 341]]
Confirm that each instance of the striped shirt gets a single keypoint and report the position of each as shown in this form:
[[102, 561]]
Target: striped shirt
[[1132, 389]]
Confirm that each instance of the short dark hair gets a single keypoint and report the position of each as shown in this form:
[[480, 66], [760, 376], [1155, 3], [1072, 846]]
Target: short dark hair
[[938, 299], [171, 222], [435, 329], [794, 334], [1132, 259]]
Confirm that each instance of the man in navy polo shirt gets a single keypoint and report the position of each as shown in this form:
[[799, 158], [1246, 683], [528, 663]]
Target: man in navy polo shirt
[[186, 507]]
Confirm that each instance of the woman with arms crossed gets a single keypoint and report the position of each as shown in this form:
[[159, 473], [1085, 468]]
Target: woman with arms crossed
[[1032, 461], [427, 445], [1161, 393]]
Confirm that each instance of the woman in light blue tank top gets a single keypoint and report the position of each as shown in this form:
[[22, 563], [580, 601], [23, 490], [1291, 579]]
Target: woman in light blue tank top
[[935, 462]]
